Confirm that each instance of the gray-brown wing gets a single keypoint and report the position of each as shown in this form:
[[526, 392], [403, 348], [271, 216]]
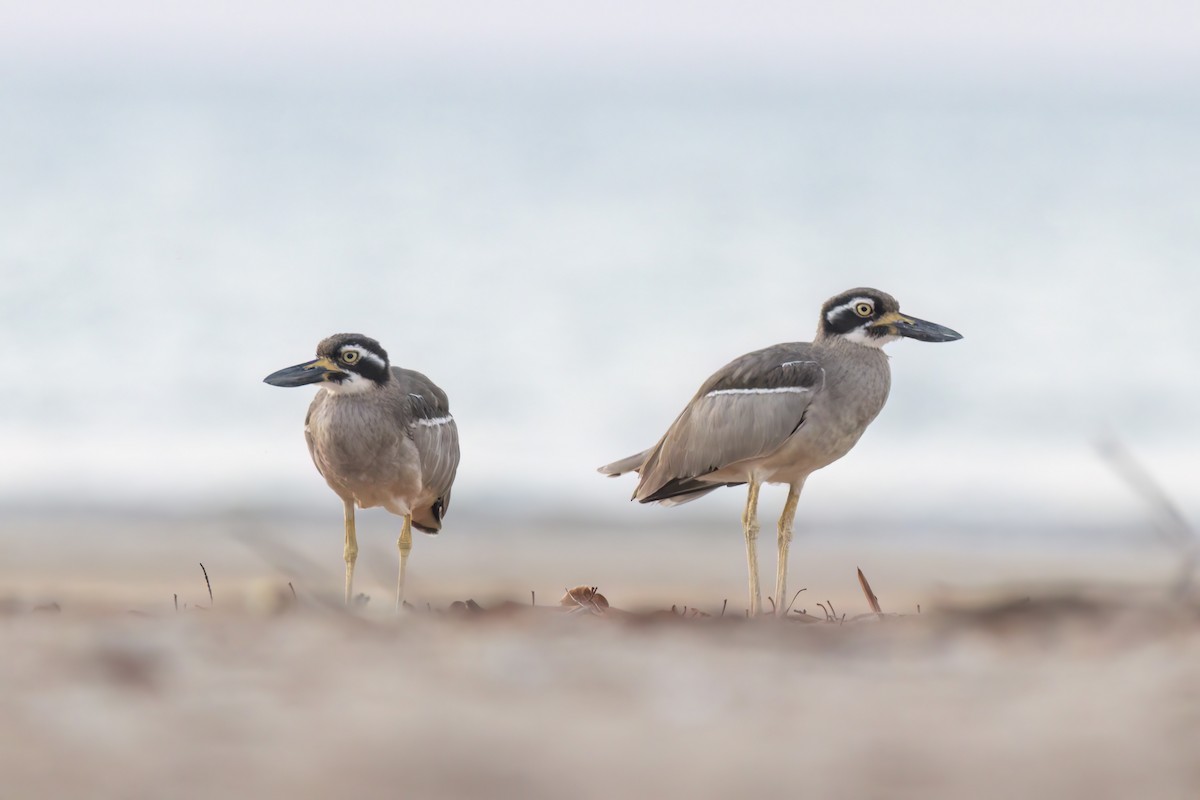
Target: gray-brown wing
[[434, 432], [746, 410]]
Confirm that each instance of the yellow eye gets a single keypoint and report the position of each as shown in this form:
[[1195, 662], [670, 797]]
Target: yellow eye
[[864, 309], [350, 356]]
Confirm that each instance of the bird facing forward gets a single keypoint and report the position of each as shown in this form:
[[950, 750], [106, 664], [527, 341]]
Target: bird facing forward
[[778, 414], [380, 436]]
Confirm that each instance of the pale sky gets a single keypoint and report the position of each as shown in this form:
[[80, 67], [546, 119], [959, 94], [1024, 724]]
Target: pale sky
[[1155, 38]]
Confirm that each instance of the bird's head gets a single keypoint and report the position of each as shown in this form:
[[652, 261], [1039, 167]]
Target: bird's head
[[345, 362], [872, 318]]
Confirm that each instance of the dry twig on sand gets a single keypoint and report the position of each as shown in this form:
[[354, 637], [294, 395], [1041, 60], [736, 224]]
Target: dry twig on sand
[[207, 583]]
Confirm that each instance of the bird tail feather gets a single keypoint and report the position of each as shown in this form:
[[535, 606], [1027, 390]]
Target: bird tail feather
[[631, 463]]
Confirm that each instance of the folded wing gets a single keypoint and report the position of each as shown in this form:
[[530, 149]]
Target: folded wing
[[745, 411], [435, 434]]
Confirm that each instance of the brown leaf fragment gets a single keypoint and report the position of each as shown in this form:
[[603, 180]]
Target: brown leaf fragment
[[872, 600]]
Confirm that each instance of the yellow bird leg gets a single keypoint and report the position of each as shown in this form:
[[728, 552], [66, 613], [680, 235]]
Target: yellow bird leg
[[351, 551], [405, 545], [750, 528], [786, 519]]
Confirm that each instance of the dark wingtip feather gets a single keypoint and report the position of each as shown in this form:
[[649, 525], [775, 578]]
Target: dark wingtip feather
[[679, 487], [431, 522]]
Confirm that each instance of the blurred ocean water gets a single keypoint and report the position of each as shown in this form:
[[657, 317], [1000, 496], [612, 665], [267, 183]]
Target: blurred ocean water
[[571, 257]]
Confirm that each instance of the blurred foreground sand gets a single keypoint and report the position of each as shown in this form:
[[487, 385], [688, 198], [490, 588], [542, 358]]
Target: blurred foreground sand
[[1084, 686]]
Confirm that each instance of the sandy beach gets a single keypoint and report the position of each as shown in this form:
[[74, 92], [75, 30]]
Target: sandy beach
[[1006, 684]]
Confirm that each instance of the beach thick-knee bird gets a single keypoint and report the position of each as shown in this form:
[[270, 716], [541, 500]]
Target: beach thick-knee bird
[[778, 414], [380, 436]]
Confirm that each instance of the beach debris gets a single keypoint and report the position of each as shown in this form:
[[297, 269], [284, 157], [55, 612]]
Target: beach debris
[[794, 598], [872, 600], [584, 599], [467, 606], [207, 583], [831, 614]]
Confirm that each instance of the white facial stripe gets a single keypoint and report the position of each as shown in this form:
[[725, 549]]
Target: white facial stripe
[[835, 311], [429, 423], [362, 353], [351, 384], [775, 390], [860, 336]]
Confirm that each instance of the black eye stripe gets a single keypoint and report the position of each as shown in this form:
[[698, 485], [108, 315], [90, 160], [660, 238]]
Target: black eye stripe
[[851, 309], [843, 317], [840, 314], [356, 353]]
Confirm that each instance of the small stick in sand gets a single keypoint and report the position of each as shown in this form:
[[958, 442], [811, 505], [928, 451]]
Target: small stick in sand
[[207, 583], [796, 595]]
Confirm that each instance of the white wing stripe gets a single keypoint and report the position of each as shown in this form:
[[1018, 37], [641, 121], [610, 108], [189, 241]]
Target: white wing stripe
[[429, 423], [776, 390]]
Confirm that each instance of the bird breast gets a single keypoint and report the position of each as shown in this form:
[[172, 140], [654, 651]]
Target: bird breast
[[361, 448], [857, 386]]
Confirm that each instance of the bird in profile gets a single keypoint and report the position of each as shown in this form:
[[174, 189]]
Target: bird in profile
[[380, 436], [778, 414]]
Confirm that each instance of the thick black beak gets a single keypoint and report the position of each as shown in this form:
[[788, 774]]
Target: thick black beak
[[300, 375], [921, 330]]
